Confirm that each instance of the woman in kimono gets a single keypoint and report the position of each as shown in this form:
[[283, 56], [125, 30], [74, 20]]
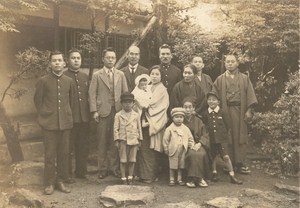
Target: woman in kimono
[[188, 87], [197, 160], [150, 153]]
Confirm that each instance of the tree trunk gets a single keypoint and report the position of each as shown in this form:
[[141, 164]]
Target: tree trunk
[[161, 11], [138, 40], [11, 135]]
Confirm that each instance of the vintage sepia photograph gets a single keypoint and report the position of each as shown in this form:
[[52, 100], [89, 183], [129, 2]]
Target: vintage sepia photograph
[[149, 104]]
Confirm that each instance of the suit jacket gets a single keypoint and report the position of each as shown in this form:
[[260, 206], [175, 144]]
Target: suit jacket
[[99, 92], [130, 82], [128, 129], [81, 111], [53, 100], [172, 136]]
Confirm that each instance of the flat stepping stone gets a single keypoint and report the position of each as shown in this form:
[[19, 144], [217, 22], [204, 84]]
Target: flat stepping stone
[[124, 195], [224, 202], [184, 204], [293, 189]]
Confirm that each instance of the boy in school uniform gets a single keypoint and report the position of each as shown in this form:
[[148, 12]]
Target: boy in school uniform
[[79, 138], [127, 136], [219, 136], [53, 100], [176, 141]]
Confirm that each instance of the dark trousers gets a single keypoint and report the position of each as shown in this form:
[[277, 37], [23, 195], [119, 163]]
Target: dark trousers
[[79, 146], [56, 144], [107, 151]]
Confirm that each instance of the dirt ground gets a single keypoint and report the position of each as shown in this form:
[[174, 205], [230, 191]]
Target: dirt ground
[[85, 192]]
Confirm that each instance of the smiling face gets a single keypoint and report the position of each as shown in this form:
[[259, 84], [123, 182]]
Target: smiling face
[[133, 55], [155, 76], [109, 59], [74, 60], [198, 63], [57, 63], [188, 74], [178, 119], [212, 102], [165, 56], [231, 63]]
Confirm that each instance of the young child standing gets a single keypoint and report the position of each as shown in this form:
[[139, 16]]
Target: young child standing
[[127, 136], [176, 140], [219, 136], [142, 94]]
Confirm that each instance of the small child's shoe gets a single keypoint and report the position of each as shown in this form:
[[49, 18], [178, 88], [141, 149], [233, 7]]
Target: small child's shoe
[[181, 183], [172, 183], [191, 184], [203, 183], [124, 181], [215, 177]]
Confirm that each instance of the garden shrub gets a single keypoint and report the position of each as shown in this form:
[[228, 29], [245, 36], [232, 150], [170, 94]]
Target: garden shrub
[[279, 128]]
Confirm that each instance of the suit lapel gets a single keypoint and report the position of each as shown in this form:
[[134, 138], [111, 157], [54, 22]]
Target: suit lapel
[[104, 77], [116, 77]]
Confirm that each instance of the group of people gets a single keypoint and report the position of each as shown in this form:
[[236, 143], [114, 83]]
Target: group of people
[[148, 121]]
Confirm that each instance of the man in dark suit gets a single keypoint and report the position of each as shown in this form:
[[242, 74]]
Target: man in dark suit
[[133, 69], [105, 91], [79, 139], [53, 100], [170, 74]]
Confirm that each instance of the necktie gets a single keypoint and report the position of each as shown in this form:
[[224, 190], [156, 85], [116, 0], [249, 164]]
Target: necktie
[[132, 74]]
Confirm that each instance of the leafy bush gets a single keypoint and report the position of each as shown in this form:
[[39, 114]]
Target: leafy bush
[[279, 128]]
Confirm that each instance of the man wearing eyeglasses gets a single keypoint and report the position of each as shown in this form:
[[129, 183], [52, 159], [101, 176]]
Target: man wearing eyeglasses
[[106, 87]]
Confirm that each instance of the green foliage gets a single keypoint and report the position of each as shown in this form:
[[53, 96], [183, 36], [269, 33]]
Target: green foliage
[[9, 12], [279, 128]]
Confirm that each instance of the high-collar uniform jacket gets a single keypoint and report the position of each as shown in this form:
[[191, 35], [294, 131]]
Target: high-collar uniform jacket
[[128, 129], [170, 75], [131, 79], [100, 93], [81, 111], [175, 135], [53, 100]]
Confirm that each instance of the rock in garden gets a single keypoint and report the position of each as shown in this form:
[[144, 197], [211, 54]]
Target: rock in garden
[[123, 195], [184, 204], [293, 189], [268, 195], [4, 201], [225, 202], [23, 197], [28, 173]]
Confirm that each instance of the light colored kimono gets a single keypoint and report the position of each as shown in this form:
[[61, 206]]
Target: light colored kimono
[[142, 98], [157, 115]]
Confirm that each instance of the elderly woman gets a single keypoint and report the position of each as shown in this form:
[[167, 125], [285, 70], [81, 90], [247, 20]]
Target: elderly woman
[[188, 87], [197, 160], [152, 147]]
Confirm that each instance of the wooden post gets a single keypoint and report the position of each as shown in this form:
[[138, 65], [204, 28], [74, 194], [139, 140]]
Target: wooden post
[[161, 11], [56, 25], [138, 40]]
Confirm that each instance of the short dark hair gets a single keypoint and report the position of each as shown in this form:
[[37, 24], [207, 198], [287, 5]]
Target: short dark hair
[[73, 50], [56, 52], [232, 54], [109, 49], [192, 66], [154, 67], [196, 55], [165, 46]]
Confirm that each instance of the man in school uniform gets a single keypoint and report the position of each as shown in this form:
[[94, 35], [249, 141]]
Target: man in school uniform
[[105, 90], [53, 100], [79, 138], [134, 69]]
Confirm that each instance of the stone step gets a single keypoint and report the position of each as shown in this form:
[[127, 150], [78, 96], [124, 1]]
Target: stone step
[[28, 130], [31, 150]]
